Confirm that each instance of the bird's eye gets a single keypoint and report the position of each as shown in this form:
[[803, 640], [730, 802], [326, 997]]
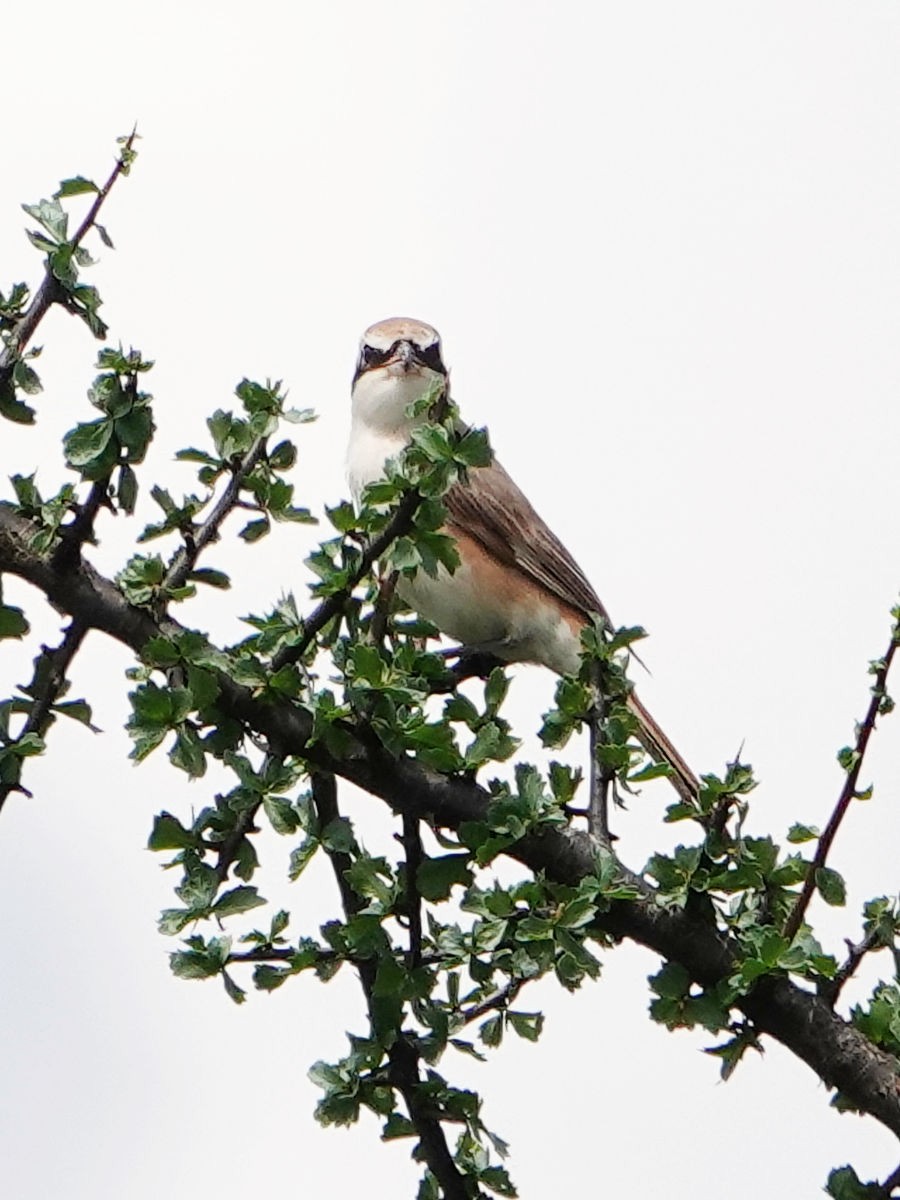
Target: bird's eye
[[372, 357], [431, 357]]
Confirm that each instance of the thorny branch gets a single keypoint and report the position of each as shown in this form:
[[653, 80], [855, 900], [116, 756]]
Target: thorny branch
[[51, 290], [333, 605], [830, 989], [840, 1054], [47, 684], [500, 999], [849, 790], [195, 542], [412, 848], [81, 529], [600, 777], [402, 1055]]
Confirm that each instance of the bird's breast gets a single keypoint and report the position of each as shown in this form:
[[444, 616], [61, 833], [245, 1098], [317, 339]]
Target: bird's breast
[[367, 453]]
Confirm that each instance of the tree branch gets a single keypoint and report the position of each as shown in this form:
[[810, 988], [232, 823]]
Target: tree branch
[[403, 1058], [830, 989], [333, 605], [838, 1052], [500, 999], [47, 683], [51, 291], [848, 791], [185, 558]]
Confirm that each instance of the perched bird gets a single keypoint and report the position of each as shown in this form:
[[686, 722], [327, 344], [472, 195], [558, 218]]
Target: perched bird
[[518, 593]]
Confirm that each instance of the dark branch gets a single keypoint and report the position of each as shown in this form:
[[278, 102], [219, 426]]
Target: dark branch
[[403, 1057], [412, 848], [500, 999], [848, 791], [47, 684], [51, 290], [838, 1053], [333, 605], [381, 612], [80, 530], [185, 559], [830, 989]]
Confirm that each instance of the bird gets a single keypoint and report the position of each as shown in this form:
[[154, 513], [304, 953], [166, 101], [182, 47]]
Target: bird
[[517, 594]]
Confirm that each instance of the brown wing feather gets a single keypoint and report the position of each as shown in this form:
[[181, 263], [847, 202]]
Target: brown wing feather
[[492, 509]]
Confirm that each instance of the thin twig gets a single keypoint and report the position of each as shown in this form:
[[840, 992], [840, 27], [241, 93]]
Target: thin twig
[[51, 290], [412, 847], [500, 999], [81, 529], [47, 683], [271, 954], [185, 558], [381, 611], [600, 777], [848, 791], [830, 989], [227, 849], [333, 605]]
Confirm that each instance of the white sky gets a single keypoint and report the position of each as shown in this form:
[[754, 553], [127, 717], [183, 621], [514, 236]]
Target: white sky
[[662, 244]]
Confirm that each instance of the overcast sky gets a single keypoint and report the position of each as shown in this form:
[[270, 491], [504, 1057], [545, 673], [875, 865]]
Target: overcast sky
[[662, 244]]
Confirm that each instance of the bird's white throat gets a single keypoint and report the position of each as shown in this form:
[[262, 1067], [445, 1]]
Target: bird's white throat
[[379, 426]]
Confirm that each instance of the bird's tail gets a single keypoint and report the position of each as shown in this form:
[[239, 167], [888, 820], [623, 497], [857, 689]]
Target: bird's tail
[[661, 749]]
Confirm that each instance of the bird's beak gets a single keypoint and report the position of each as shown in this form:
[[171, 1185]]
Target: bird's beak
[[404, 357]]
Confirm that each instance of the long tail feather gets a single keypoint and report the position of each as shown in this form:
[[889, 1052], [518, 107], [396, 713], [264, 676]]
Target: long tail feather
[[660, 749]]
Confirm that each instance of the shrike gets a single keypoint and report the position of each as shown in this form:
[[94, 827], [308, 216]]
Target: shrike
[[518, 593]]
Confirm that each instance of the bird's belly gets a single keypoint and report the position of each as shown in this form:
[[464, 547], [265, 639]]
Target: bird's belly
[[492, 606]]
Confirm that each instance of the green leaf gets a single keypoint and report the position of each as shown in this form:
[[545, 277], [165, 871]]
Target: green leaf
[[169, 834], [238, 900], [301, 856], [128, 488], [491, 1030], [338, 836], [194, 964], [77, 710], [845, 1184], [831, 887], [235, 993], [26, 378], [436, 877], [672, 982], [254, 530], [267, 978], [77, 186], [12, 622], [802, 833], [211, 577], [12, 408], [526, 1025], [282, 815], [397, 1126], [51, 215], [188, 754], [85, 443]]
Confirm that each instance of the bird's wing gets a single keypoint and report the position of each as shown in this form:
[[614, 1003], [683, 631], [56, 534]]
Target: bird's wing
[[490, 508]]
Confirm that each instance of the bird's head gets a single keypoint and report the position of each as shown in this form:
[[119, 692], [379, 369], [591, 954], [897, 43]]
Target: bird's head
[[399, 359]]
